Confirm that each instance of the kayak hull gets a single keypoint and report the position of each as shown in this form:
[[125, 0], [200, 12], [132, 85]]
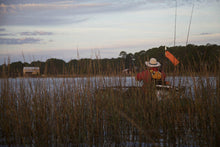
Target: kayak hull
[[161, 91]]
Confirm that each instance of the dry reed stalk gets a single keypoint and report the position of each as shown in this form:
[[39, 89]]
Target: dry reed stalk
[[83, 113]]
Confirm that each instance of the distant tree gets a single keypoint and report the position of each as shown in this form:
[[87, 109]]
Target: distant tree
[[16, 69], [39, 64], [54, 66], [192, 57], [129, 61], [123, 54], [72, 67]]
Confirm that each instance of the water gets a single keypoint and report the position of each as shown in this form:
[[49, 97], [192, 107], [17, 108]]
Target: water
[[98, 82], [57, 84]]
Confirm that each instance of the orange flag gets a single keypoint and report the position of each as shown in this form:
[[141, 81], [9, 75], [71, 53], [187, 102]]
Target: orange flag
[[171, 58]]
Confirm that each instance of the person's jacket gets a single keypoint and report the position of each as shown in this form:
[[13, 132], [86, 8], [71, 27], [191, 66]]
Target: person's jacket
[[146, 76]]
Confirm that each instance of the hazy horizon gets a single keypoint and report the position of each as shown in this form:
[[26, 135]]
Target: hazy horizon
[[38, 30]]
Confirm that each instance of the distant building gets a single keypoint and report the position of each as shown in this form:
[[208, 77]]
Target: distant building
[[31, 71]]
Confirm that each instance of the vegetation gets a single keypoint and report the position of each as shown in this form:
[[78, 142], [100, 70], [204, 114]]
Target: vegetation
[[204, 57], [89, 112], [83, 112]]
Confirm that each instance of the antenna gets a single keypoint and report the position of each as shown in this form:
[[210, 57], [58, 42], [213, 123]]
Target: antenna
[[189, 25], [175, 25], [77, 52]]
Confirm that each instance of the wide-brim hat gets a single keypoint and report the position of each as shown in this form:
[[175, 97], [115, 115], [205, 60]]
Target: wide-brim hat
[[152, 63]]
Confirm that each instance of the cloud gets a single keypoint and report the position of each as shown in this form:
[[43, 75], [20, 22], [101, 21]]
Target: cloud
[[58, 12], [37, 19], [6, 34], [35, 33], [2, 29], [16, 8], [205, 34], [14, 41], [64, 12]]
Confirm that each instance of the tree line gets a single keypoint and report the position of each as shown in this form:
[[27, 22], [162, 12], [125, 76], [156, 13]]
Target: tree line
[[192, 58]]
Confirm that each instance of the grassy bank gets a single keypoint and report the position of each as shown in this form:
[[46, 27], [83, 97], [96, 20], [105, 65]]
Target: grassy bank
[[70, 113]]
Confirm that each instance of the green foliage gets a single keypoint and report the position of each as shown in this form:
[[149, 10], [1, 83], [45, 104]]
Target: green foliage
[[192, 57], [54, 67], [16, 68], [39, 64]]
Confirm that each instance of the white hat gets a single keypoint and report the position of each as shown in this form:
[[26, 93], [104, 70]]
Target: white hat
[[153, 63]]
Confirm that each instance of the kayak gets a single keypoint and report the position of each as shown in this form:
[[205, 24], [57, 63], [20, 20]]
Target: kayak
[[161, 91]]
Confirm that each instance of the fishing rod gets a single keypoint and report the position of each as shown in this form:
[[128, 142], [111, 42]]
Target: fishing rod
[[167, 53], [190, 21], [175, 25]]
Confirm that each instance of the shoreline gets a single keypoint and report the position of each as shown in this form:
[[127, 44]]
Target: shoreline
[[113, 75]]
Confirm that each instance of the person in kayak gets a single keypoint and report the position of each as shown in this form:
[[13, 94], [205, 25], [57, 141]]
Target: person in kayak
[[152, 74]]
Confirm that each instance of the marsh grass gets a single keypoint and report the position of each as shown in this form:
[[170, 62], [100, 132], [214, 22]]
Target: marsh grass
[[86, 113]]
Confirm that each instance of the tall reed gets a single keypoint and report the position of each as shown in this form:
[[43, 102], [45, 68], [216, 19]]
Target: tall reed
[[86, 111]]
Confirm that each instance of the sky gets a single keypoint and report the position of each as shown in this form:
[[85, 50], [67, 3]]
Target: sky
[[32, 30]]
